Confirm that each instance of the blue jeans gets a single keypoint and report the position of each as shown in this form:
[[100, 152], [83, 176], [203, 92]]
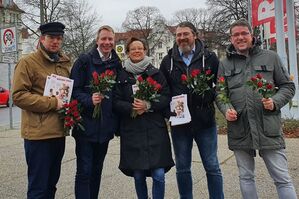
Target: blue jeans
[[276, 163], [90, 159], [43, 159], [206, 140], [158, 189]]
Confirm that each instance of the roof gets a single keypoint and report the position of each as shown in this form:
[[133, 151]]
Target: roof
[[123, 36], [12, 6]]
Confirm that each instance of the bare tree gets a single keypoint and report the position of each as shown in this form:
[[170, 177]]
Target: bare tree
[[52, 12], [224, 12], [148, 23], [80, 20], [201, 19], [81, 25]]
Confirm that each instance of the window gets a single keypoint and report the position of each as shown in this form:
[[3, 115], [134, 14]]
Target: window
[[160, 45], [160, 56]]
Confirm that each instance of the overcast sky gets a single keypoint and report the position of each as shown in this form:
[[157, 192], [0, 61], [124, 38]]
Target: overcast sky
[[114, 12]]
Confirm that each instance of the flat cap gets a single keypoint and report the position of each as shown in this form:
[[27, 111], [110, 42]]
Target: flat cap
[[52, 28]]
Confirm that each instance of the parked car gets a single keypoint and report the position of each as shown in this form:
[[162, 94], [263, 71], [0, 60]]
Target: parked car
[[4, 96]]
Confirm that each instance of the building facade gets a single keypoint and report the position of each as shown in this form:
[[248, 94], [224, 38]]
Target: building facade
[[10, 16]]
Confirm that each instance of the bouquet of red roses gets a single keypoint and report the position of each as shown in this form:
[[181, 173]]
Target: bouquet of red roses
[[71, 116], [146, 90], [100, 84], [262, 86], [197, 81]]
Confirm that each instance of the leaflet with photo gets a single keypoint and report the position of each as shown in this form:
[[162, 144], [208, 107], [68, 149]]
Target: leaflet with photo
[[179, 106], [59, 86]]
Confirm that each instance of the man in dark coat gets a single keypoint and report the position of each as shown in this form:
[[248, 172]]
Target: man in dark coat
[[187, 54], [92, 144]]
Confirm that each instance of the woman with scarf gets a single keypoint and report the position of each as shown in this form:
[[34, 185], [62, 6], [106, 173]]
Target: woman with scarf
[[145, 144]]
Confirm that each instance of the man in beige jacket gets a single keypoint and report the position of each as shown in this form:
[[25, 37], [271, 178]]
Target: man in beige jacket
[[41, 127]]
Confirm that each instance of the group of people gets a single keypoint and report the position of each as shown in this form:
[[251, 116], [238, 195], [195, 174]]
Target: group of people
[[145, 147]]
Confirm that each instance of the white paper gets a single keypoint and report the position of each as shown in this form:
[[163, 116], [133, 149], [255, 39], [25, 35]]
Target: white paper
[[135, 88], [179, 105], [59, 86]]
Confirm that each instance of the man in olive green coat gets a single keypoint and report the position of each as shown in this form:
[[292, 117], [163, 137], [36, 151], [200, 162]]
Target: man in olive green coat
[[254, 122], [41, 128]]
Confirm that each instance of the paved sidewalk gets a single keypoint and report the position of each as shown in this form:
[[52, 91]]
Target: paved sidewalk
[[115, 185]]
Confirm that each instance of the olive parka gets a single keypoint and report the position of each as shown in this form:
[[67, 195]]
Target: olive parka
[[256, 127]]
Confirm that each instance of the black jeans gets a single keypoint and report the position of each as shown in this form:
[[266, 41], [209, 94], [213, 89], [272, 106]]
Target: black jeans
[[43, 159], [90, 159]]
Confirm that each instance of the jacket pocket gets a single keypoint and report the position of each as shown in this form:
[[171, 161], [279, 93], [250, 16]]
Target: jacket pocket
[[266, 71], [234, 78], [272, 123], [237, 129]]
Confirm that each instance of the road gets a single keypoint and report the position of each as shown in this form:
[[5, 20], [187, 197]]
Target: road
[[4, 116]]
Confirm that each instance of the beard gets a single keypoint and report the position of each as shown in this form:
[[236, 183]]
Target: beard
[[185, 49], [185, 46]]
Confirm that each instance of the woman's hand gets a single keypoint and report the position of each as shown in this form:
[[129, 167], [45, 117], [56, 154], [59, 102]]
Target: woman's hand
[[97, 98], [139, 106]]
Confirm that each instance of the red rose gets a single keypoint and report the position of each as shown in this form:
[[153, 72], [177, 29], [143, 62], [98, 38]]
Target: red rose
[[67, 118], [68, 124], [109, 72], [184, 77], [158, 87], [260, 84], [150, 80], [259, 76], [221, 80], [102, 76], [253, 79], [208, 72], [95, 77], [73, 103], [195, 72], [76, 114], [269, 86], [72, 122], [139, 78]]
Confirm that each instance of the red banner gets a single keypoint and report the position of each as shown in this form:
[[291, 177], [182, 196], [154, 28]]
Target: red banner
[[263, 13]]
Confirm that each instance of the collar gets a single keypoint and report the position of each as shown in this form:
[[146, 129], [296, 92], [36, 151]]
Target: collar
[[103, 58]]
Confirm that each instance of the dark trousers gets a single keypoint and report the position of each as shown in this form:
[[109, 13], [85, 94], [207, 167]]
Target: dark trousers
[[43, 159], [90, 159]]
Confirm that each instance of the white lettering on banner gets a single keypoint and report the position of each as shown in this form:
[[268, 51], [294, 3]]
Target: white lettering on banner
[[263, 14], [265, 10]]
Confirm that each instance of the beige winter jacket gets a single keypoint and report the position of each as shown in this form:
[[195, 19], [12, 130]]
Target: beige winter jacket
[[40, 120]]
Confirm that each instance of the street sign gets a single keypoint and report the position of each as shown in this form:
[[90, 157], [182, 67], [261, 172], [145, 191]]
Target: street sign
[[120, 48], [8, 40], [8, 58]]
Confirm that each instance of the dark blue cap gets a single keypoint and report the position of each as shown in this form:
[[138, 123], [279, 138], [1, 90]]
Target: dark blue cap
[[52, 28]]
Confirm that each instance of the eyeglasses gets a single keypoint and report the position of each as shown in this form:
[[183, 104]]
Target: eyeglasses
[[243, 34], [136, 49]]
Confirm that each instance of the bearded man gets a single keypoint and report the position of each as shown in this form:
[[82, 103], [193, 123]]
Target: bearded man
[[188, 54]]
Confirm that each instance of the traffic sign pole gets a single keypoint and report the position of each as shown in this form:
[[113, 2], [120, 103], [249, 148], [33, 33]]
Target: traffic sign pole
[[10, 97]]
